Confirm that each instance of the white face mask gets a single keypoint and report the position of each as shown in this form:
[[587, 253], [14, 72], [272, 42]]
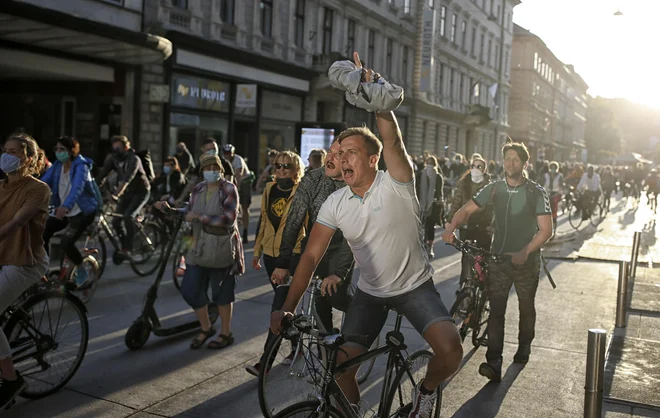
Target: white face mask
[[477, 175], [212, 176]]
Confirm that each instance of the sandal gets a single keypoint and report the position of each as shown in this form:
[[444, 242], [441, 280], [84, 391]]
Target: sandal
[[197, 342], [227, 340]]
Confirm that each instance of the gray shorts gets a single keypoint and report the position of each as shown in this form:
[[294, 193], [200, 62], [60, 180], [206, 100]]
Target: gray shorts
[[367, 314]]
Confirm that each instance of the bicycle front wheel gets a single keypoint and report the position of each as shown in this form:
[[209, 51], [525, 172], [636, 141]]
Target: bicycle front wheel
[[48, 337], [290, 373], [309, 409], [399, 400], [575, 217], [149, 249], [480, 319]]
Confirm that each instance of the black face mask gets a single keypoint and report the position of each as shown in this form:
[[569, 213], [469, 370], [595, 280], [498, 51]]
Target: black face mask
[[285, 183], [179, 150], [119, 153]]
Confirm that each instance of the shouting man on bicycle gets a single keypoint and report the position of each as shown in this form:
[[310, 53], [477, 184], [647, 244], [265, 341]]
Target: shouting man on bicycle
[[522, 224], [379, 215]]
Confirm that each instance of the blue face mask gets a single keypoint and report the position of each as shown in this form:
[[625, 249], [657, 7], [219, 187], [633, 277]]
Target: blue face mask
[[211, 152], [211, 176], [167, 169], [9, 163], [62, 156]]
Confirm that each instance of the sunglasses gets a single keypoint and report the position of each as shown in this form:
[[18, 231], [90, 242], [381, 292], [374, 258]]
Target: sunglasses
[[280, 166], [478, 167]]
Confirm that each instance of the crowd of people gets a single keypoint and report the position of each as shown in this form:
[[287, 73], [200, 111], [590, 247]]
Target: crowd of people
[[321, 218]]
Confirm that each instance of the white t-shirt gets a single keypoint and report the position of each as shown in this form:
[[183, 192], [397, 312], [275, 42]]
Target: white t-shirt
[[383, 232], [590, 184], [240, 167], [63, 191]]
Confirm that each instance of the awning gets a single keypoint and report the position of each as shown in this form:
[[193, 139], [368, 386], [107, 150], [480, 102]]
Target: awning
[[43, 30]]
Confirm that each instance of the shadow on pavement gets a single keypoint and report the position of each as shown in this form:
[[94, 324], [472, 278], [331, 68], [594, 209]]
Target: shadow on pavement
[[487, 402]]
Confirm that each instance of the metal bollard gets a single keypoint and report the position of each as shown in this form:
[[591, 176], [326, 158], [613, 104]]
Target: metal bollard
[[637, 241], [622, 295], [593, 387]]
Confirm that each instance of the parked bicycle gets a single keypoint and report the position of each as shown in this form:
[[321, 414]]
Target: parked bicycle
[[285, 381], [402, 373], [471, 308], [48, 334]]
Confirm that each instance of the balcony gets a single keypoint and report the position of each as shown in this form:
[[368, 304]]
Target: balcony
[[477, 115], [172, 17]]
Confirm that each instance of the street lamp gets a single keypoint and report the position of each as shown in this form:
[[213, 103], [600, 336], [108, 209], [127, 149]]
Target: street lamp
[[618, 13]]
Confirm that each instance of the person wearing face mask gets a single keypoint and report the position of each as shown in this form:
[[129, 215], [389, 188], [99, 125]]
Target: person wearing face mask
[[215, 257], [430, 183], [185, 158], [132, 192], [73, 196], [275, 205], [478, 227], [23, 259], [169, 185], [554, 185]]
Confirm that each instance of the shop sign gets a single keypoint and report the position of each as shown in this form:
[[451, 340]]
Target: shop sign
[[281, 106], [200, 93], [246, 95], [428, 33]]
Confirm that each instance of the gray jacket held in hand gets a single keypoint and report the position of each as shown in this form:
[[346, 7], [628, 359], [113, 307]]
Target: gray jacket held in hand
[[313, 190], [380, 96]]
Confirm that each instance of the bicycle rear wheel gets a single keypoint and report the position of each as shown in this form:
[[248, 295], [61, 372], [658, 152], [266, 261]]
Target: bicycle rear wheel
[[309, 409], [48, 337], [575, 217], [95, 241], [149, 249], [399, 400], [282, 385]]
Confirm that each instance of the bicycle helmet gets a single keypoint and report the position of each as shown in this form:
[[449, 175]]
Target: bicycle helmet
[[228, 148]]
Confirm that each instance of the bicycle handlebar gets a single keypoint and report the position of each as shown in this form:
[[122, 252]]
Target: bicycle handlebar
[[469, 249], [300, 324]]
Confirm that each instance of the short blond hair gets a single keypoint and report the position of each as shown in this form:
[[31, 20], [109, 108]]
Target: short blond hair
[[298, 165], [371, 141]]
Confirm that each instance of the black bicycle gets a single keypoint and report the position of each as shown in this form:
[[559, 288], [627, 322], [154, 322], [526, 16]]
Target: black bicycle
[[471, 308], [148, 245], [286, 379], [402, 373], [48, 334]]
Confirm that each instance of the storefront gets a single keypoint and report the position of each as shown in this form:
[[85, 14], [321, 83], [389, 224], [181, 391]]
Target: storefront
[[252, 108]]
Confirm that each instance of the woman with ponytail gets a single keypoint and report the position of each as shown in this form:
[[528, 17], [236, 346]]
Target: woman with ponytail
[[23, 259]]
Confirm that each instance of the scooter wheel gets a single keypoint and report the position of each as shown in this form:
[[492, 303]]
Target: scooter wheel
[[213, 312], [138, 334]]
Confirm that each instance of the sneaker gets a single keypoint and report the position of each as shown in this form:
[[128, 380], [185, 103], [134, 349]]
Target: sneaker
[[522, 355], [255, 369], [81, 276], [492, 370], [422, 404], [10, 389]]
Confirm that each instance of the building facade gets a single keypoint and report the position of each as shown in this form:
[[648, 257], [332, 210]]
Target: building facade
[[548, 102], [74, 68]]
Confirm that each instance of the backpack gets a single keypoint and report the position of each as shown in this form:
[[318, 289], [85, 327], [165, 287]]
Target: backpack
[[145, 157]]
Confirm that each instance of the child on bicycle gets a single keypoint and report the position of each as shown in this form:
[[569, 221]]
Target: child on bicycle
[[23, 259]]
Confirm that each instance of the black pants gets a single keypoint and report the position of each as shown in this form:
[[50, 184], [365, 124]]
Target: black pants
[[281, 292], [129, 206], [75, 227]]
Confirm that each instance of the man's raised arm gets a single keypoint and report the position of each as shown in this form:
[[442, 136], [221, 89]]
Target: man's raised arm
[[394, 151]]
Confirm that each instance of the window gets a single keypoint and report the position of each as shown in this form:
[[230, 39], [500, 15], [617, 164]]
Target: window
[[406, 6], [461, 89], [179, 4], [441, 81], [506, 62], [443, 17], [453, 28], [227, 11], [481, 47], [463, 33], [474, 91], [371, 48], [490, 47], [299, 24], [266, 7], [350, 38], [388, 58], [474, 41], [404, 65], [451, 83], [328, 16]]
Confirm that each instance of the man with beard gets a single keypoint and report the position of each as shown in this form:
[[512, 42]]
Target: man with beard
[[379, 215], [522, 224], [336, 266]]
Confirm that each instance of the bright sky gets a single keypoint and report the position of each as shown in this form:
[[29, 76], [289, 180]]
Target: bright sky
[[616, 55]]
